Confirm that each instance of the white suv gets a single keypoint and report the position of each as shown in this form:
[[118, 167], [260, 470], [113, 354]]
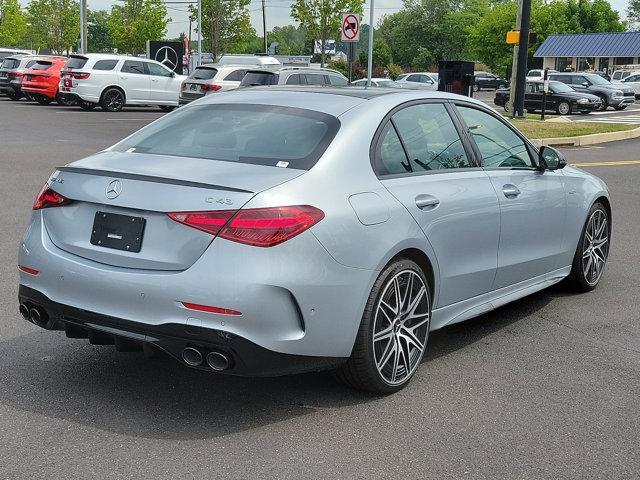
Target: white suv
[[211, 78], [113, 81]]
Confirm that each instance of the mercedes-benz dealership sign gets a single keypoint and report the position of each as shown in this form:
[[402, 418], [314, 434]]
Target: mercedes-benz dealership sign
[[170, 54]]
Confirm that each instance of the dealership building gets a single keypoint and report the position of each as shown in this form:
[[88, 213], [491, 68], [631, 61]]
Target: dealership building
[[589, 51]]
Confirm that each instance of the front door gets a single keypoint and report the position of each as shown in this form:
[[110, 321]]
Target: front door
[[422, 161], [532, 202], [161, 81]]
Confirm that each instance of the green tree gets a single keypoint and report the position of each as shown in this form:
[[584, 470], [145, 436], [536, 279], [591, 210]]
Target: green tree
[[13, 23], [55, 24], [98, 38], [381, 53], [291, 40], [322, 18], [132, 24], [226, 25]]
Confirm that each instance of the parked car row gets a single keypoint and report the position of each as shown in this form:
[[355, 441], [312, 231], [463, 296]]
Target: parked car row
[[573, 92]]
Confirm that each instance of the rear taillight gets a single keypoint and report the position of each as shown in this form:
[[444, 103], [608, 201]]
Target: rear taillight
[[183, 86], [210, 88], [48, 198], [14, 74], [260, 227], [80, 75]]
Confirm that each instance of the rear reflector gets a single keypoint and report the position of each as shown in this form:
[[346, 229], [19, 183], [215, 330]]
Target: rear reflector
[[207, 308], [30, 271], [260, 227], [47, 198]]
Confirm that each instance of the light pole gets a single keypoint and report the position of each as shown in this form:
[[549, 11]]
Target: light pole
[[370, 56], [199, 32]]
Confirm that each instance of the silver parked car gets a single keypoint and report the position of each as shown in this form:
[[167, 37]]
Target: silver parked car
[[211, 78], [278, 230]]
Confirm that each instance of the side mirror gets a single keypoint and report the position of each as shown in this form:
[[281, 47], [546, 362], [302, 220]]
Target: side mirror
[[585, 84], [551, 159]]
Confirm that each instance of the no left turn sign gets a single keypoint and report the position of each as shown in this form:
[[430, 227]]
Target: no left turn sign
[[350, 27]]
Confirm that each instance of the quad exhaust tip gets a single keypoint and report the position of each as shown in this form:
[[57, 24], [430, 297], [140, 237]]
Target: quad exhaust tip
[[24, 311], [38, 316], [192, 356], [218, 361]]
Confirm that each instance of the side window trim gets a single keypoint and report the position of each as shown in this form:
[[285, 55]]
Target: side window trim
[[374, 148], [531, 150]]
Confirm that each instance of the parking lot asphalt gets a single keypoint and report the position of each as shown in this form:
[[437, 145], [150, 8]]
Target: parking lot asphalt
[[545, 388]]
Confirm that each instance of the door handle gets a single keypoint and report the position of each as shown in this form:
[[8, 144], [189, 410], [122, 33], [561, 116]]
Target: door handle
[[510, 191], [426, 202]]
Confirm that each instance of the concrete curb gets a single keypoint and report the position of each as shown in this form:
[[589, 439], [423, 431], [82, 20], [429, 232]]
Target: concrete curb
[[592, 139]]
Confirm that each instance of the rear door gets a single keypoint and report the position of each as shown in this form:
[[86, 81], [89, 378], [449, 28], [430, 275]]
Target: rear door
[[134, 77], [532, 202], [421, 159]]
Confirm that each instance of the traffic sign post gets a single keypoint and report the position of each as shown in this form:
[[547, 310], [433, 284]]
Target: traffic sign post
[[350, 27]]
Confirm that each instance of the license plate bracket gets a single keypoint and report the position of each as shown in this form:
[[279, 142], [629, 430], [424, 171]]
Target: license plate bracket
[[120, 232]]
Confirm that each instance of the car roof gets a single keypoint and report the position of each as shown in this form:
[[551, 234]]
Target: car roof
[[107, 56], [331, 100]]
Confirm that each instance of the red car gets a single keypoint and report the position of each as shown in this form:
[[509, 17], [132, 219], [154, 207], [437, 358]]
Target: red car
[[41, 81]]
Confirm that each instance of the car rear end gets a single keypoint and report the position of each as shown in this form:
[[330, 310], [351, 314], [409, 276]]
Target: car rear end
[[84, 76], [171, 239], [207, 79], [43, 78], [11, 76]]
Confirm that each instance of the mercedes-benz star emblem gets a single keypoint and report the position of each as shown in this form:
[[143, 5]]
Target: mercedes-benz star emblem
[[167, 56], [114, 189]]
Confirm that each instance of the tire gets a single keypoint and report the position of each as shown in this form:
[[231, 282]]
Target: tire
[[374, 364], [64, 101], [87, 105], [563, 108], [166, 108], [112, 100], [589, 262], [476, 87], [15, 96], [506, 106], [604, 103], [42, 100], [620, 107]]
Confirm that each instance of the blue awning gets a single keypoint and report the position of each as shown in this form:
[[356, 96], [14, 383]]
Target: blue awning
[[620, 44]]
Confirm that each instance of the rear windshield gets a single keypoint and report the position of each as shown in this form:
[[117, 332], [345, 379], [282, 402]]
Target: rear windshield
[[40, 65], [10, 63], [76, 62], [204, 73], [256, 134], [252, 79]]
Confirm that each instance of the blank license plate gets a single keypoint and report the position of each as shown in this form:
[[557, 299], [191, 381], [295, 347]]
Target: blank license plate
[[120, 232]]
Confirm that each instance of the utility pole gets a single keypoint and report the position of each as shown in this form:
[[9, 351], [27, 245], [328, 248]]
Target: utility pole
[[199, 32], [83, 27], [264, 27], [370, 56], [520, 68], [514, 63]]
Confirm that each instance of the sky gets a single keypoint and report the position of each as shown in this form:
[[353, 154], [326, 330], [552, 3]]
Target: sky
[[277, 12]]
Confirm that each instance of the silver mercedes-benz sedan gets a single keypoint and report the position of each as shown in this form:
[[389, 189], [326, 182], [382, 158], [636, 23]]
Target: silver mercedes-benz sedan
[[266, 232]]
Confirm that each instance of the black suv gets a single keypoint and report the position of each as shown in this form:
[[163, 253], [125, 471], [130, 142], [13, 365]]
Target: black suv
[[616, 96], [488, 80]]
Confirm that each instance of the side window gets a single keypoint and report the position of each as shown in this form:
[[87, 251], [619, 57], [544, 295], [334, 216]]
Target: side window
[[578, 80], [391, 155], [498, 144], [105, 65], [338, 81], [157, 70], [236, 75], [315, 79], [413, 78], [430, 138], [134, 66], [425, 79], [625, 74], [296, 79]]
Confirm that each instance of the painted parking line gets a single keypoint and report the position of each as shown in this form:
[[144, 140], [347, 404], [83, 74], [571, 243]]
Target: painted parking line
[[606, 164]]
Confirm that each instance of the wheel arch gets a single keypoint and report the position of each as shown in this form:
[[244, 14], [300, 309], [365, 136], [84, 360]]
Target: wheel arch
[[424, 262], [117, 87]]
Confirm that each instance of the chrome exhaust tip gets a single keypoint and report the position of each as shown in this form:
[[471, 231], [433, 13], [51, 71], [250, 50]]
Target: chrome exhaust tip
[[38, 316], [24, 311], [192, 356], [218, 361]]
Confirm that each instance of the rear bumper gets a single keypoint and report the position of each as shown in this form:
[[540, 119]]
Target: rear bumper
[[40, 88], [245, 357]]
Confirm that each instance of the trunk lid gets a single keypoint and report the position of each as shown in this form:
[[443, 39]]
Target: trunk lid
[[148, 187]]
